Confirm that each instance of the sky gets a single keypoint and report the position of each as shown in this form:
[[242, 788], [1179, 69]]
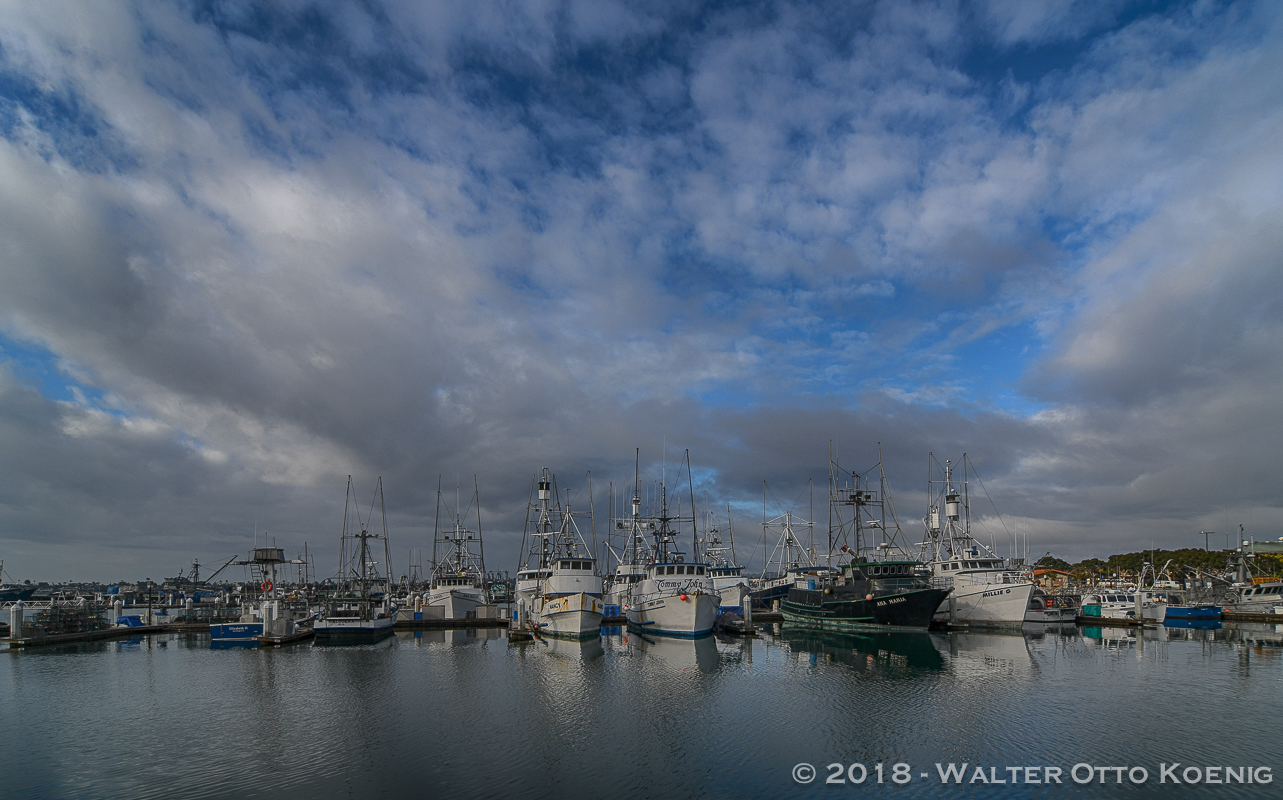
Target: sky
[[250, 249]]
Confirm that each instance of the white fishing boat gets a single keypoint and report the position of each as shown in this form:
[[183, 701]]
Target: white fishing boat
[[266, 610], [1144, 604], [359, 608], [986, 591], [458, 581], [1257, 598], [1049, 609], [559, 589], [666, 595], [724, 569]]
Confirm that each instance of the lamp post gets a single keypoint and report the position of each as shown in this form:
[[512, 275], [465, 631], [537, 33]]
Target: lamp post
[[1206, 535]]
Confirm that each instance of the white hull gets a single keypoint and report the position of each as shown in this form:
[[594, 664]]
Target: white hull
[[995, 605], [733, 596], [1051, 616], [1269, 606], [669, 615], [458, 604], [1262, 599], [1149, 612], [571, 616], [352, 626]]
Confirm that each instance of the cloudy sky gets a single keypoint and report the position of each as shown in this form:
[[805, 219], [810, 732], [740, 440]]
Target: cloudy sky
[[248, 249]]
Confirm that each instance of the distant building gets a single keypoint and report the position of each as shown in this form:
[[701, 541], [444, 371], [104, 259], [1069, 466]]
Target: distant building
[[1051, 578]]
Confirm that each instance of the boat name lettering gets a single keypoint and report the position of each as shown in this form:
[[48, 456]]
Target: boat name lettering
[[996, 592], [892, 600]]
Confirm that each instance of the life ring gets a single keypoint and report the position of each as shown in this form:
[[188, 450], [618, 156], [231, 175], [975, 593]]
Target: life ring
[[266, 586]]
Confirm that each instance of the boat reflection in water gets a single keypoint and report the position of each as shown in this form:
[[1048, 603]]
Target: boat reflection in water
[[675, 654], [448, 636], [572, 649], [886, 653], [1038, 630], [1195, 624], [987, 655]]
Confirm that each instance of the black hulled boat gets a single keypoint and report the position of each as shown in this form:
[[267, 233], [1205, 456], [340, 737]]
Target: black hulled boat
[[881, 595]]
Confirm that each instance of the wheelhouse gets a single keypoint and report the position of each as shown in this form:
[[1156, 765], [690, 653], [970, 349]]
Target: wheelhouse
[[675, 570]]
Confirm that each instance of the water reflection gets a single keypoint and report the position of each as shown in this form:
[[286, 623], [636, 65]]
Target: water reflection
[[890, 652], [678, 655], [469, 715], [454, 636], [987, 655], [569, 649]]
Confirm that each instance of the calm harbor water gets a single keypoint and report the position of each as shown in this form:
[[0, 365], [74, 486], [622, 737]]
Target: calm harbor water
[[465, 714]]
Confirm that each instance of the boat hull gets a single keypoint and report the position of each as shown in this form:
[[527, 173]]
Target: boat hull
[[235, 631], [458, 604], [352, 628], [670, 615], [910, 610], [1192, 612], [986, 605], [569, 616], [732, 597]]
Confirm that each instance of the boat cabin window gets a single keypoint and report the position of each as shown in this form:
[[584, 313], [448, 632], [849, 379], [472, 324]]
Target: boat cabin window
[[699, 571]]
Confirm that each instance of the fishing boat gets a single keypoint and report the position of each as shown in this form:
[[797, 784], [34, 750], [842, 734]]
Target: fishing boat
[[360, 607], [458, 581], [1256, 598], [1143, 605], [791, 563], [14, 593], [665, 594], [265, 607], [1050, 609], [878, 586], [559, 588], [986, 591], [724, 569]]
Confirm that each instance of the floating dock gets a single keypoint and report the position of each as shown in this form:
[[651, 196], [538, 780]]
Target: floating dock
[[1231, 616], [100, 635], [276, 641], [448, 624]]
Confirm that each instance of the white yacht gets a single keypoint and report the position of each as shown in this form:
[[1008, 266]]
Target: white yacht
[[559, 589], [658, 590], [458, 580], [986, 592], [360, 607]]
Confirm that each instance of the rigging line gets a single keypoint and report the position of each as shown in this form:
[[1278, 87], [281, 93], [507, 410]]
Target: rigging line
[[370, 516], [990, 499]]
